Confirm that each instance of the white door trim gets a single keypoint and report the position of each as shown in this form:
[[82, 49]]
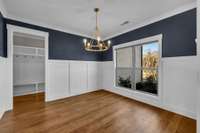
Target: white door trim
[[198, 57], [10, 32]]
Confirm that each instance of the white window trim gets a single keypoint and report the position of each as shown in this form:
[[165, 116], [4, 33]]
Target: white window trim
[[142, 96]]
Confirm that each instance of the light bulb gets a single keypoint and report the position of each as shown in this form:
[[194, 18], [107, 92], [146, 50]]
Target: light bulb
[[98, 38], [109, 42], [101, 45], [85, 40]]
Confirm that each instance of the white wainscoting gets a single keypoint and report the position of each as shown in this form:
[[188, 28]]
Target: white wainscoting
[[58, 80], [94, 76], [179, 85], [69, 78], [78, 77], [4, 85]]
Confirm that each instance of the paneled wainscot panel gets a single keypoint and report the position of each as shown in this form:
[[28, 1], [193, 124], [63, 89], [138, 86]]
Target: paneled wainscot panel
[[69, 78]]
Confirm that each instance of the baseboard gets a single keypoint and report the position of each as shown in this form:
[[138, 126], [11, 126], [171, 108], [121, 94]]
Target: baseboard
[[55, 97], [167, 107], [1, 114], [87, 91], [128, 94], [180, 111], [63, 97], [29, 93]]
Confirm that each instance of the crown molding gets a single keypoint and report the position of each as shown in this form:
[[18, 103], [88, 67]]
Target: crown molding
[[48, 26], [3, 9], [156, 19]]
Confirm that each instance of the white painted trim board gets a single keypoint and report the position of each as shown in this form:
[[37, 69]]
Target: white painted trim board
[[11, 29]]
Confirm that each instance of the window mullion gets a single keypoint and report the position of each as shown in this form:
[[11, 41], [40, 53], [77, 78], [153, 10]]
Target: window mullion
[[134, 68]]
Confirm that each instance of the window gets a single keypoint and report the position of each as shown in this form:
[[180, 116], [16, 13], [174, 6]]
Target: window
[[148, 68], [124, 67], [137, 66]]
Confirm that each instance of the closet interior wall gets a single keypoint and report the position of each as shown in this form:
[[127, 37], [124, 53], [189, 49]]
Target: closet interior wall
[[28, 64]]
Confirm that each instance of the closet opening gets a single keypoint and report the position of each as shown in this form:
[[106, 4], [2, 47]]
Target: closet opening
[[28, 70]]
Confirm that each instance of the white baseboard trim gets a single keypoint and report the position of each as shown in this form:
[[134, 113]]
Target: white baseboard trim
[[130, 95], [1, 114], [87, 91], [167, 107], [180, 111], [54, 98], [29, 93], [63, 97]]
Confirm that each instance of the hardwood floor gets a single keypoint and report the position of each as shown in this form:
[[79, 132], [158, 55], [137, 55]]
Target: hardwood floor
[[96, 112]]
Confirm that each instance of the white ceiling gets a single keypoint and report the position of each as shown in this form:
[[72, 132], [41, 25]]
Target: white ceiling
[[77, 16]]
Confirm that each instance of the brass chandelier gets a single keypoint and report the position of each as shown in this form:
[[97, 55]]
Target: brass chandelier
[[96, 45]]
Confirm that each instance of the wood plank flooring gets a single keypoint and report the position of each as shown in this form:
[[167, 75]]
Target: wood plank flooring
[[96, 112]]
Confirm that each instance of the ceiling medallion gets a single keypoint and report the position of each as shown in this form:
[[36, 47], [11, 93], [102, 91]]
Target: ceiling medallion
[[96, 45]]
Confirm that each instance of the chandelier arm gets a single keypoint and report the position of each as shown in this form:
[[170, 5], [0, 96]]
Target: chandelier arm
[[104, 45], [91, 43]]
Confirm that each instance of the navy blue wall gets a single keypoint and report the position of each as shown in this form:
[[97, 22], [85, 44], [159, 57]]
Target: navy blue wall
[[179, 33], [62, 45], [3, 51]]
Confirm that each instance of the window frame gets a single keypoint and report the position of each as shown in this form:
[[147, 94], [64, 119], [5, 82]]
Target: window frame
[[156, 38]]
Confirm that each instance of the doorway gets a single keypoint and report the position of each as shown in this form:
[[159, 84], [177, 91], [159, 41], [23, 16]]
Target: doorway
[[28, 55]]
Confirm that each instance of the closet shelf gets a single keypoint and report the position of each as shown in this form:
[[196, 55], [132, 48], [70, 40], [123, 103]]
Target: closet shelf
[[28, 55], [28, 83], [29, 51]]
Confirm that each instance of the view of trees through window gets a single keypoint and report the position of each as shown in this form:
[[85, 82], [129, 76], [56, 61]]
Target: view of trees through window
[[150, 58], [137, 67]]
